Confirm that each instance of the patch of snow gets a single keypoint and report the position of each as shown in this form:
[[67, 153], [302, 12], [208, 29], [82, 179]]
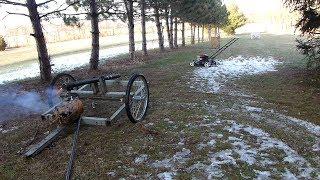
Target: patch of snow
[[261, 175], [248, 156], [233, 67], [181, 142], [198, 166], [182, 156], [201, 146], [266, 142], [223, 157], [179, 158], [231, 138], [214, 171], [166, 175], [253, 109], [256, 152], [212, 143], [149, 125], [112, 174], [312, 128], [168, 121], [5, 131], [165, 163], [288, 175], [316, 147], [255, 131], [140, 159]]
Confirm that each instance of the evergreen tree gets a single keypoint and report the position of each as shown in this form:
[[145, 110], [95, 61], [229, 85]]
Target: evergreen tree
[[309, 25], [236, 19]]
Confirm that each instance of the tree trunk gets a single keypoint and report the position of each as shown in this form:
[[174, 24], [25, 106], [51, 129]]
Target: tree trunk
[[192, 34], [202, 39], [209, 32], [143, 27], [166, 15], [171, 27], [183, 35], [129, 10], [43, 56], [94, 59], [176, 32], [215, 32], [198, 34], [159, 30]]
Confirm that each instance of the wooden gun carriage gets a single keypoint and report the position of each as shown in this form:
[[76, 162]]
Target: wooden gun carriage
[[66, 94]]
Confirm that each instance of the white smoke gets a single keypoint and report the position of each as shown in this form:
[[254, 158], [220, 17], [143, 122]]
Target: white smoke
[[19, 103]]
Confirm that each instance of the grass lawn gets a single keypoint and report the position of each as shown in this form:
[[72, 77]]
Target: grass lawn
[[198, 134]]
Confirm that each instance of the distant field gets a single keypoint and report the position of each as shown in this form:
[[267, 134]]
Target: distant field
[[15, 55]]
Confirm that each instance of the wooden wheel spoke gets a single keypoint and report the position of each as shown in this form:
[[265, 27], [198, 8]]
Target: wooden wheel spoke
[[138, 109]]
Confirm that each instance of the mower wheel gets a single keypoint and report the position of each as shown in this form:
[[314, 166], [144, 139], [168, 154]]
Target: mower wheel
[[192, 64], [213, 63], [207, 64]]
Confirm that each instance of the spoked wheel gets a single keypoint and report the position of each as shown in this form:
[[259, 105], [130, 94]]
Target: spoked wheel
[[207, 64], [137, 98], [57, 88], [213, 62]]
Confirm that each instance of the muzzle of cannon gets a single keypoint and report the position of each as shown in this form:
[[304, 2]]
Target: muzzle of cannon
[[65, 113]]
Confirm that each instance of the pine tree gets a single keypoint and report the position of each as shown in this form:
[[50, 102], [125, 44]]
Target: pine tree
[[236, 19]]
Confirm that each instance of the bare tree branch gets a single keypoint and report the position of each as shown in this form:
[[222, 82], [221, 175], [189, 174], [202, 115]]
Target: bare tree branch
[[58, 10], [5, 16], [46, 2], [12, 3], [21, 14], [110, 13], [76, 14]]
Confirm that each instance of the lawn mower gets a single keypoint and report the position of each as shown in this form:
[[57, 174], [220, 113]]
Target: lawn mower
[[208, 61]]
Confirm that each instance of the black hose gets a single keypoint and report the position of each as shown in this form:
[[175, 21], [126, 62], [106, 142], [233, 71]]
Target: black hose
[[73, 152]]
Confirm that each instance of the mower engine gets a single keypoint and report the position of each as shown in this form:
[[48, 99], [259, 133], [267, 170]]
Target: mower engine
[[203, 57], [203, 60], [65, 113]]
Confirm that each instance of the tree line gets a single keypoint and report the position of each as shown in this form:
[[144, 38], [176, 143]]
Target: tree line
[[168, 14]]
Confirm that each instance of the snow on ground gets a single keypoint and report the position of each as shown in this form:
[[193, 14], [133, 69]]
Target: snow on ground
[[166, 175], [233, 67], [140, 159], [4, 131], [244, 144], [256, 154], [258, 114], [247, 146], [179, 158]]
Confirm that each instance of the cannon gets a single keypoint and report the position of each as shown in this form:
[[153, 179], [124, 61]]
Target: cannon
[[66, 96]]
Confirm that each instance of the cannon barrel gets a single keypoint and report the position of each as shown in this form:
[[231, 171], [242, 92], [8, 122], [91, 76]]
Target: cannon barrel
[[72, 85], [66, 112]]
